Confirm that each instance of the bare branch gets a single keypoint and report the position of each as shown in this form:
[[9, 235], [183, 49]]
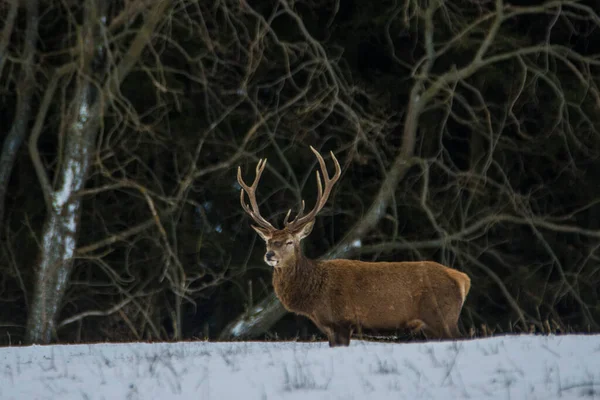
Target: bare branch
[[25, 90]]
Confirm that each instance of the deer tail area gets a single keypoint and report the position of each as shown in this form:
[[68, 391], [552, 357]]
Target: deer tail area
[[463, 281]]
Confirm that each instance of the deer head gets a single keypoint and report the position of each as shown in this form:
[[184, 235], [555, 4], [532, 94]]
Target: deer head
[[283, 245]]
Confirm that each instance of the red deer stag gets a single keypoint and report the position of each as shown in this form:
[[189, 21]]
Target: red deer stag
[[342, 295]]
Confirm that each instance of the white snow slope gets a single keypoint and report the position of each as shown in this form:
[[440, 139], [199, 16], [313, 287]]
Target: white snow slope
[[503, 367]]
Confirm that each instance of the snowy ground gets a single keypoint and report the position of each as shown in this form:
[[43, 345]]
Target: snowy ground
[[507, 367]]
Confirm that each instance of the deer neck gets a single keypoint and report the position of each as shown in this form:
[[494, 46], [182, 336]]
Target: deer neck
[[299, 283]]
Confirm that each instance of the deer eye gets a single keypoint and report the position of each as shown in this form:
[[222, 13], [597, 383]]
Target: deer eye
[[277, 244], [289, 243]]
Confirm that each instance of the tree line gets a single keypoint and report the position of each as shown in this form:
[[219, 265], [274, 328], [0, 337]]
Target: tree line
[[467, 134]]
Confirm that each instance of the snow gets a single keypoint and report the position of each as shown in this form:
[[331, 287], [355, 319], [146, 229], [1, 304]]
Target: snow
[[502, 367]]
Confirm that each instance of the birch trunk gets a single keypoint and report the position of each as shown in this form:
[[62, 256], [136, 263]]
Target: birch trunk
[[60, 229], [59, 236]]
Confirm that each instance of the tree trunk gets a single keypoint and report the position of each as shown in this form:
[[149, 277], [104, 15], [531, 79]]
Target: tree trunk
[[62, 224], [60, 230]]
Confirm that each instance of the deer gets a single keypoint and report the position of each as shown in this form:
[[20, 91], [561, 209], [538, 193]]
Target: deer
[[343, 296]]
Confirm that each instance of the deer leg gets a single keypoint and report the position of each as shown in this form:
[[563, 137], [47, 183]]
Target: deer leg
[[331, 337], [359, 332], [416, 326], [338, 335], [441, 330], [328, 331], [454, 332], [342, 335]]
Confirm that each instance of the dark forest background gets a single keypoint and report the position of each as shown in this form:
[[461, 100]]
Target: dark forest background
[[467, 132]]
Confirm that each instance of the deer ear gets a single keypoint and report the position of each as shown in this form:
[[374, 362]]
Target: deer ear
[[265, 234], [305, 230]]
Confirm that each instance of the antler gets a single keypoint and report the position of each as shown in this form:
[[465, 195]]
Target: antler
[[322, 196], [251, 191]]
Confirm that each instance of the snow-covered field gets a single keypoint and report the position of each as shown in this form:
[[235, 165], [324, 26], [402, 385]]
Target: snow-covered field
[[505, 367]]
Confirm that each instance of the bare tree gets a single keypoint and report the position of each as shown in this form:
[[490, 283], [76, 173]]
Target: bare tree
[[462, 230], [64, 204]]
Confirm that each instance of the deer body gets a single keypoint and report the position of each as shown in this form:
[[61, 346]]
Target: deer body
[[341, 296], [352, 292]]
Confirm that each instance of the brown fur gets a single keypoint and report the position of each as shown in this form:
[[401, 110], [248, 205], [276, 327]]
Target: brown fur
[[341, 296]]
